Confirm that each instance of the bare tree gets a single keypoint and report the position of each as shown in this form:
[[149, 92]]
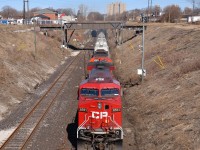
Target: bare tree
[[34, 10], [156, 10], [171, 14], [123, 16], [134, 14], [95, 16], [127, 15], [9, 12], [82, 12], [196, 11], [187, 11], [67, 11]]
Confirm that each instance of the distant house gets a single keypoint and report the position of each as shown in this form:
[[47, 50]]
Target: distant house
[[52, 15], [61, 15], [184, 18], [69, 18], [42, 17], [63, 18], [194, 19]]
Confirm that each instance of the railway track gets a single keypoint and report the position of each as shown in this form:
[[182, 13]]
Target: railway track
[[21, 136]]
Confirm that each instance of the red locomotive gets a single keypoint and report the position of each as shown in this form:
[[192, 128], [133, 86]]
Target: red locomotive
[[100, 105], [100, 112]]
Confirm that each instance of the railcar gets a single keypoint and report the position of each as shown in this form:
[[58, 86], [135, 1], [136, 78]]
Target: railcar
[[101, 35], [101, 45], [99, 112]]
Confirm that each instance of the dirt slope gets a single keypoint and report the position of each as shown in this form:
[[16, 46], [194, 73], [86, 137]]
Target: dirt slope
[[21, 69], [163, 112]]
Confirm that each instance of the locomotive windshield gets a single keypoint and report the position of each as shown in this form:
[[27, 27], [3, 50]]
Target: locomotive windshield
[[109, 92], [89, 92]]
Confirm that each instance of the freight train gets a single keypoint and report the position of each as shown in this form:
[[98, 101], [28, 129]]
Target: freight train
[[100, 105], [101, 45]]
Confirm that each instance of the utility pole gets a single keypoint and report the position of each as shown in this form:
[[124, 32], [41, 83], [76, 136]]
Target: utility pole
[[28, 12], [24, 11], [148, 9], [193, 5], [143, 70], [151, 9]]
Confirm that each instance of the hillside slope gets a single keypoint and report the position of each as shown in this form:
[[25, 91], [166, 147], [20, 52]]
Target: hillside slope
[[22, 68], [163, 112]]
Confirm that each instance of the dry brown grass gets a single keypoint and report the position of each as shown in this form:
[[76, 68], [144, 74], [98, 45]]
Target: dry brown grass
[[192, 65], [163, 111], [19, 70]]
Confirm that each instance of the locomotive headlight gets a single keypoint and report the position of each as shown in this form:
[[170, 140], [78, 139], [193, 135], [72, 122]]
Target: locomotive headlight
[[117, 132], [99, 105], [81, 132]]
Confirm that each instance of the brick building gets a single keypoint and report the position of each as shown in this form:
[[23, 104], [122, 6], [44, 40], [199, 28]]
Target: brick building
[[52, 15]]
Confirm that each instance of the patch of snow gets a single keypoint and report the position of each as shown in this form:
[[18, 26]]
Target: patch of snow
[[74, 53], [45, 125], [50, 71], [14, 100], [4, 134], [3, 109], [41, 92], [22, 31], [128, 130], [23, 85], [62, 62], [34, 82]]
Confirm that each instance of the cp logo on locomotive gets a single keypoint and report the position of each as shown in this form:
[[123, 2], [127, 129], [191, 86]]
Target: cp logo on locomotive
[[99, 115]]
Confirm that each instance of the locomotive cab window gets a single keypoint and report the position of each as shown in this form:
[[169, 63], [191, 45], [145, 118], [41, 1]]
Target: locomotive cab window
[[89, 92], [109, 92]]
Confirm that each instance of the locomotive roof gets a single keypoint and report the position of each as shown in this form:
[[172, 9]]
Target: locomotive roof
[[99, 84], [100, 75], [101, 64]]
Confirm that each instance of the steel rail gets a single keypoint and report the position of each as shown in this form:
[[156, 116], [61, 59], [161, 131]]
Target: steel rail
[[46, 111], [37, 105]]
